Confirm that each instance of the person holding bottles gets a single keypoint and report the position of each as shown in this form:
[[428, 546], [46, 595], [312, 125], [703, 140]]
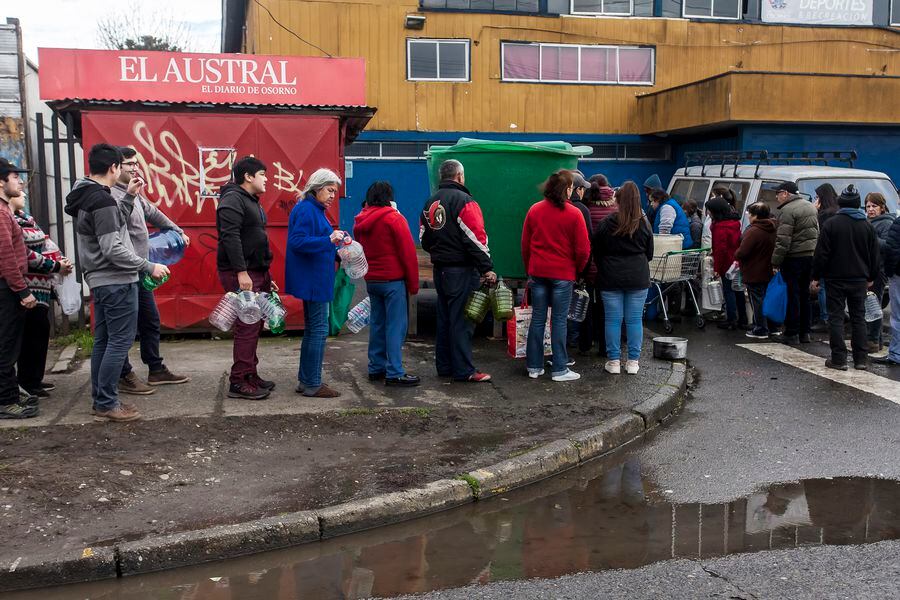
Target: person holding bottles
[[309, 275], [393, 273]]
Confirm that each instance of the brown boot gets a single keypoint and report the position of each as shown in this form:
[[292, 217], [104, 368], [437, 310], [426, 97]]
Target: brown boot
[[325, 392], [119, 414], [130, 384], [166, 377]]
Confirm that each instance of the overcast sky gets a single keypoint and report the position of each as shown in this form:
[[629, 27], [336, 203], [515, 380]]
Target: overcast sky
[[73, 23]]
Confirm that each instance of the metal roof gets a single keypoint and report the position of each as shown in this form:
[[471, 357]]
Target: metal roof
[[779, 172]]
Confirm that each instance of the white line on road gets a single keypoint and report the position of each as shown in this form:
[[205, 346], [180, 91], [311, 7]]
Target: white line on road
[[861, 380]]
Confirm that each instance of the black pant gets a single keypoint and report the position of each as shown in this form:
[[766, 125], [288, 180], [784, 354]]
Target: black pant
[[796, 272], [148, 333], [757, 292], [12, 326], [33, 354], [453, 343], [853, 293], [598, 323]]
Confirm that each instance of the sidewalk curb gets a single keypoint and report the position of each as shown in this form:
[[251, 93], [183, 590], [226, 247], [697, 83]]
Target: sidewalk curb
[[157, 553], [64, 361]]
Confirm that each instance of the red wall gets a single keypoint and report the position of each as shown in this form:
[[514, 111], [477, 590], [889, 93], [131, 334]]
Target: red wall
[[169, 147]]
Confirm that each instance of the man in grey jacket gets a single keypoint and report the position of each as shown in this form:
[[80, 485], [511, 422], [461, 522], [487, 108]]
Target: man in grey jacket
[[111, 268], [795, 244], [148, 314]]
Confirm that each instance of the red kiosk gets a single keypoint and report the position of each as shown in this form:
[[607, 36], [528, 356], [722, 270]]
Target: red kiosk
[[190, 116]]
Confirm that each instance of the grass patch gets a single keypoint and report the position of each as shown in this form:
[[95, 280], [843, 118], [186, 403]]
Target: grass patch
[[419, 411], [81, 337], [473, 483]]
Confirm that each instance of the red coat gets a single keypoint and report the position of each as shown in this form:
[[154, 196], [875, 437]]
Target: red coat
[[726, 238], [555, 242], [388, 244]]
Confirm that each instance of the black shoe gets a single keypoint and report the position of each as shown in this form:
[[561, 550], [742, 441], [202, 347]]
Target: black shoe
[[47, 387], [264, 384], [819, 328], [804, 338], [39, 392], [727, 325], [886, 360], [377, 376], [405, 381], [247, 392], [860, 366], [836, 366], [790, 340]]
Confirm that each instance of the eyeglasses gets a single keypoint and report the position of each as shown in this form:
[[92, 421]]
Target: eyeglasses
[[129, 165]]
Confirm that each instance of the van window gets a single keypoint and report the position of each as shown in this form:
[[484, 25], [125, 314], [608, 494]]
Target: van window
[[767, 195], [738, 188], [865, 185], [691, 189]]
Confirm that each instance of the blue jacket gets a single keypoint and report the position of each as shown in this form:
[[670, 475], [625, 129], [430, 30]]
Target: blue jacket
[[682, 225], [310, 255]]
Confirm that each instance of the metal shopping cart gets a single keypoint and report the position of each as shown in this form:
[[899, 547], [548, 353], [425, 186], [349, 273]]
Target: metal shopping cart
[[675, 271]]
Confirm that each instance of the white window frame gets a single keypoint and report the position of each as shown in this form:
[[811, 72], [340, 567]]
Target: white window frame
[[578, 81], [712, 8], [603, 13], [437, 42]]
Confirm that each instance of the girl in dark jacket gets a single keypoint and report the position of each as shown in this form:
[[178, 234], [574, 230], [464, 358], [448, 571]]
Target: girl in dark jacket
[[755, 257], [601, 203], [881, 220], [622, 248], [726, 237]]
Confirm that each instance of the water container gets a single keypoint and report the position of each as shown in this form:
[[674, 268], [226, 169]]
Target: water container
[[873, 308], [477, 305], [224, 314], [274, 312], [578, 307], [248, 310], [737, 282], [716, 296], [150, 284], [353, 259], [166, 247], [502, 301], [359, 315]]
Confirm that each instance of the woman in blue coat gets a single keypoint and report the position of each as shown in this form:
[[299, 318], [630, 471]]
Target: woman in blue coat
[[309, 275]]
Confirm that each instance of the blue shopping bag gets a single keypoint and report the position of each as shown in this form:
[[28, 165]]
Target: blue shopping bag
[[776, 299]]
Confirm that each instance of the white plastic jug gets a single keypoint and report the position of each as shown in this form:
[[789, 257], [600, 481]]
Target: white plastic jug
[[873, 308], [353, 258], [224, 314]]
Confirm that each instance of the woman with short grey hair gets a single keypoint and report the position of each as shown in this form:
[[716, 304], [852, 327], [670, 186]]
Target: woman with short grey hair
[[309, 274]]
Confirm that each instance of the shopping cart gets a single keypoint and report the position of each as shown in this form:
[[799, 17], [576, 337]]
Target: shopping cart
[[675, 271]]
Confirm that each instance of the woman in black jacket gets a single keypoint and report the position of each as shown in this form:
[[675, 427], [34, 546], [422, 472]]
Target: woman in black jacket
[[622, 248]]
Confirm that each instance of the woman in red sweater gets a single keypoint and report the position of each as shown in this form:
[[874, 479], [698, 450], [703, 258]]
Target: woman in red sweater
[[393, 273], [726, 238], [555, 247]]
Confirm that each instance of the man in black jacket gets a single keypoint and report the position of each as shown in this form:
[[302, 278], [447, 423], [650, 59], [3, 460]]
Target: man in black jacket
[[847, 258], [891, 260], [452, 232], [243, 261]]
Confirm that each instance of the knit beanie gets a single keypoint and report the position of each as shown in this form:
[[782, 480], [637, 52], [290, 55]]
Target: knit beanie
[[849, 197]]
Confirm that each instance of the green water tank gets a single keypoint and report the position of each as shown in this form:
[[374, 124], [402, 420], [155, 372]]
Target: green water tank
[[505, 179]]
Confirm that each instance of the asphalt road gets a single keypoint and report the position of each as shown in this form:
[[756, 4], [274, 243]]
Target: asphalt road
[[753, 421]]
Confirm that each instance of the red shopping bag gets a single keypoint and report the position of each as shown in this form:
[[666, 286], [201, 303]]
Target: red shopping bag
[[517, 330]]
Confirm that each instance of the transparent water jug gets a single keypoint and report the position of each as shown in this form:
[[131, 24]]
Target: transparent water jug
[[353, 258], [248, 310], [224, 314], [578, 307], [873, 308], [502, 301], [273, 312], [150, 284], [359, 315], [716, 295], [737, 282], [477, 305], [166, 247]]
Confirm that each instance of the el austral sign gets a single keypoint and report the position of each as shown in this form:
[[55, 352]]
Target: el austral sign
[[818, 12], [67, 74]]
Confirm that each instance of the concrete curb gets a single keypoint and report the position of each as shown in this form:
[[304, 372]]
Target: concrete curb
[[64, 361], [230, 541]]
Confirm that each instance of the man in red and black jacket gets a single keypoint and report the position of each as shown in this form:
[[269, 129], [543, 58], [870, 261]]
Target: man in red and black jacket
[[452, 232]]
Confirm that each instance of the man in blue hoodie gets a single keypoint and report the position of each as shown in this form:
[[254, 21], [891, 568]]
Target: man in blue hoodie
[[651, 183]]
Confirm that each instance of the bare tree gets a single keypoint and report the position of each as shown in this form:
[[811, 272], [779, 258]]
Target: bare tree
[[134, 30]]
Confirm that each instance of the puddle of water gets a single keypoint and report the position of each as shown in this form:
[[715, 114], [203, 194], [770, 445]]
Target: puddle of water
[[601, 516]]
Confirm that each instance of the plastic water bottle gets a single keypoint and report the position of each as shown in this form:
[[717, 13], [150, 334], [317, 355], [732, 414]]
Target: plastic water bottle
[[248, 310], [502, 301], [716, 295], [873, 308], [353, 258], [166, 247], [273, 312], [737, 282], [359, 316], [578, 307], [150, 284], [224, 314], [477, 305]]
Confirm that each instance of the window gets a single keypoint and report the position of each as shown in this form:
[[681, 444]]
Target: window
[[437, 60], [602, 7], [895, 13], [654, 151], [389, 150], [713, 9], [738, 188], [529, 6], [865, 185], [570, 63], [767, 195], [691, 189]]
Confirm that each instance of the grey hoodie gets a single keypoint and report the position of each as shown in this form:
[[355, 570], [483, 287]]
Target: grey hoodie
[[105, 250], [143, 213]]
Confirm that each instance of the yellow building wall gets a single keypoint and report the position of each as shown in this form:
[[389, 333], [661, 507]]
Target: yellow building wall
[[685, 51]]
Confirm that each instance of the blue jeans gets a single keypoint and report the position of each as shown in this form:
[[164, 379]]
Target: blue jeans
[[115, 325], [312, 348], [387, 327], [757, 293], [556, 295], [624, 305], [453, 341], [148, 333], [894, 348], [823, 302], [735, 303]]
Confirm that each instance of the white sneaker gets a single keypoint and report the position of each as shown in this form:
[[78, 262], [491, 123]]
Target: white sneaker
[[569, 375], [613, 366], [535, 374], [632, 367]]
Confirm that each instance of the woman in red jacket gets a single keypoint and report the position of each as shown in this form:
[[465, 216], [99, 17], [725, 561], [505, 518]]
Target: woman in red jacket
[[555, 247], [393, 273], [726, 238]]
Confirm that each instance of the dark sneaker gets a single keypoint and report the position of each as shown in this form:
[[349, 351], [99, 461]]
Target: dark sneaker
[[165, 377], [18, 411], [324, 392], [477, 377], [804, 338], [262, 383], [790, 340], [130, 384], [836, 366], [861, 366], [120, 414], [886, 360], [247, 391], [377, 376], [39, 392], [405, 381], [756, 334], [47, 387], [26, 398]]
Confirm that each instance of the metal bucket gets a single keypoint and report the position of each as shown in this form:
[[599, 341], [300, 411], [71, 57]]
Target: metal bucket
[[670, 348]]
